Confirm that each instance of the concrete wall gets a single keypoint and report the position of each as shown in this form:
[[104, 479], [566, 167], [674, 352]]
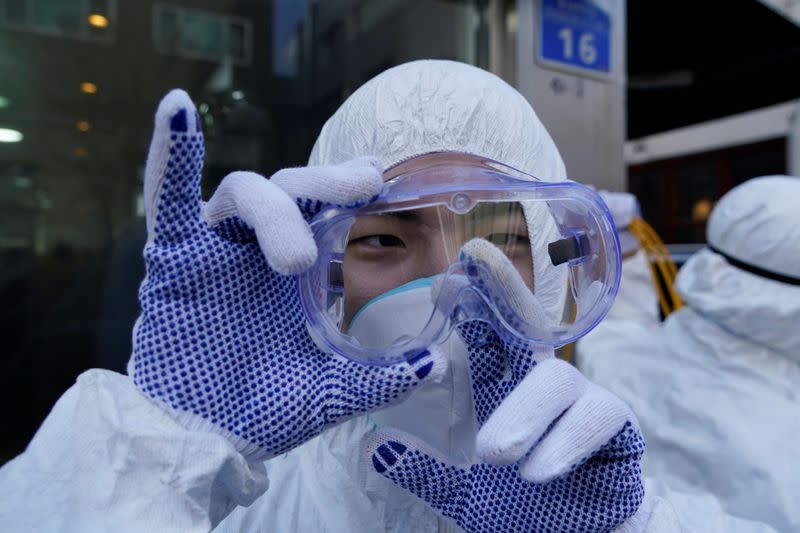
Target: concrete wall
[[585, 115]]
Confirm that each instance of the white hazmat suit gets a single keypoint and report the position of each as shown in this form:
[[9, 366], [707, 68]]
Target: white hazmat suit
[[637, 298], [109, 458], [716, 387]]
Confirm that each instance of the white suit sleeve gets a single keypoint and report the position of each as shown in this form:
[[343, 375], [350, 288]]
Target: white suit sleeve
[[108, 459], [637, 299], [677, 512]]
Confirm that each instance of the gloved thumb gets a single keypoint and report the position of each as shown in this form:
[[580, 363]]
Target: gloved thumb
[[418, 468]]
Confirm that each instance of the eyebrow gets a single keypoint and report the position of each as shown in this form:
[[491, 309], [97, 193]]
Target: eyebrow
[[411, 215]]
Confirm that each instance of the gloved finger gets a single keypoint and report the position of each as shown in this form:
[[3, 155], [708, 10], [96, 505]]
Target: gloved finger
[[592, 421], [173, 170], [487, 362], [367, 388], [548, 390], [283, 235], [490, 376], [508, 289], [494, 274], [353, 183], [418, 468], [589, 296]]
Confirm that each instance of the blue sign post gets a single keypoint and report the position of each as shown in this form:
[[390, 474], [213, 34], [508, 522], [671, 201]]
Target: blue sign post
[[575, 35]]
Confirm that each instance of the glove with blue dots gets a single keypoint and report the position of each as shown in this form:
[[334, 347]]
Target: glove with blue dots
[[222, 341], [558, 453]]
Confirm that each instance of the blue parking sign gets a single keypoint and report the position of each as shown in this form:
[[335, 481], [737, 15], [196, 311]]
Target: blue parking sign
[[575, 34]]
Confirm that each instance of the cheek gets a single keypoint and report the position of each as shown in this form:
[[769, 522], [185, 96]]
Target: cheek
[[360, 286], [364, 281]]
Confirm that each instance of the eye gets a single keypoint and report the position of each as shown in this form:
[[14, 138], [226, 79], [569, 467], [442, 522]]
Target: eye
[[382, 240]]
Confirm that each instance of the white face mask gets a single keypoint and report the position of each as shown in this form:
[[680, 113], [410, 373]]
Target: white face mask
[[442, 413]]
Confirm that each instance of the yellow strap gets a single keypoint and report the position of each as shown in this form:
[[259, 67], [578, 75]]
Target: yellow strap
[[661, 265], [661, 269], [566, 352], [652, 262], [661, 260]]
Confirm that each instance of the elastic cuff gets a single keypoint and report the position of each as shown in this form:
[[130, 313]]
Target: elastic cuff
[[192, 422], [640, 520]]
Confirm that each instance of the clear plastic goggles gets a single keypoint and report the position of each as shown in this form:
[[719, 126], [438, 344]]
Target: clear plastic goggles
[[451, 242]]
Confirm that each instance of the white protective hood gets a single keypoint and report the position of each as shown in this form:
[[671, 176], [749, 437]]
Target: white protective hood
[[438, 106], [432, 106], [758, 223]]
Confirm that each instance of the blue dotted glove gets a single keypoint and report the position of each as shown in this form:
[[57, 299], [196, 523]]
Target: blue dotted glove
[[222, 340], [559, 453]]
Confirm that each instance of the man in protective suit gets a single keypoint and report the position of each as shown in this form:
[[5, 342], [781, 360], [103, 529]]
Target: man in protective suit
[[715, 386], [234, 416]]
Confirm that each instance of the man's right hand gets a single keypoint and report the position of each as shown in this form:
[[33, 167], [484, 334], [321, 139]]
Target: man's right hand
[[222, 341]]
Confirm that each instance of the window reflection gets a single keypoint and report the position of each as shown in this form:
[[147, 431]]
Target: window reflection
[[79, 83]]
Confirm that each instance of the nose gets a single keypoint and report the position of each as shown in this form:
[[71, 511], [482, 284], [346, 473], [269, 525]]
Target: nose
[[443, 246]]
